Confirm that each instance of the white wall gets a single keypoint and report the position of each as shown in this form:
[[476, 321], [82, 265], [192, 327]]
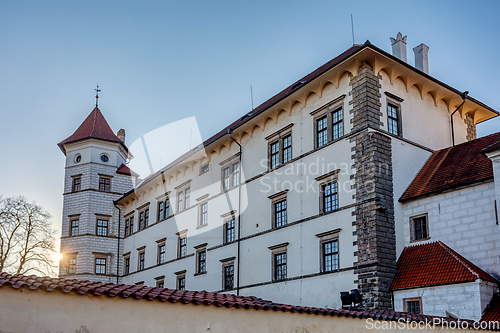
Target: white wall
[[464, 300], [464, 220]]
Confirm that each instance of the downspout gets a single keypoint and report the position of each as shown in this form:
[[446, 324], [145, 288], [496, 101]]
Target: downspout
[[118, 244], [464, 96], [229, 132]]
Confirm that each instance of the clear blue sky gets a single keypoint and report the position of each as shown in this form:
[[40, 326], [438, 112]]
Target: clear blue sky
[[161, 61]]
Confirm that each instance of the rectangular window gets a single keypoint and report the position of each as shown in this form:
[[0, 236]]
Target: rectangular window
[[413, 305], [182, 247], [392, 119], [102, 227], [187, 194], [161, 253], [141, 220], [321, 131], [204, 169], [142, 259], [280, 266], [131, 226], [181, 282], [275, 155], [330, 197], [126, 265], [201, 266], [287, 148], [280, 213], [72, 265], [100, 266], [236, 174], [160, 284], [74, 227], [203, 214], [226, 178], [77, 184], [228, 277], [167, 207], [161, 210], [104, 184], [419, 227], [229, 231], [183, 198], [126, 227], [180, 204], [338, 124], [330, 255]]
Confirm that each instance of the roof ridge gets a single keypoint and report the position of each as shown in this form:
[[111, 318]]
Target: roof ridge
[[459, 258]]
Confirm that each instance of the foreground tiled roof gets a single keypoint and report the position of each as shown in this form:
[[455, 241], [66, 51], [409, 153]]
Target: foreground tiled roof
[[94, 126], [432, 264], [125, 170], [492, 311], [453, 167], [77, 287]]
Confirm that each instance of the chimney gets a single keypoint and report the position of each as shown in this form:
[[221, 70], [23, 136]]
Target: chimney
[[121, 135], [399, 47], [422, 57]]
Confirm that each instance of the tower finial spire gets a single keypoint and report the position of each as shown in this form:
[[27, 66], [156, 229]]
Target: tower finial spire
[[97, 95]]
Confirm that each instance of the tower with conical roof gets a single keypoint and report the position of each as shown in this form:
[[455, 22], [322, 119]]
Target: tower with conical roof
[[95, 176]]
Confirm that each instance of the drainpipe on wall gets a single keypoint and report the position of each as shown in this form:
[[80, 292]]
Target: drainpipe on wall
[[464, 96], [118, 244], [229, 132]]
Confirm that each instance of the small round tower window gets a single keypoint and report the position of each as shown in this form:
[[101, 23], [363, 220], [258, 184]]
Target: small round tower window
[[78, 158], [104, 158]]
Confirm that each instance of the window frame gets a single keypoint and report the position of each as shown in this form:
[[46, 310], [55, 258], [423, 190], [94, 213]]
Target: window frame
[[203, 214], [227, 263], [100, 265], [105, 183], [229, 229], [276, 251], [394, 102], [183, 197], [276, 199], [181, 244], [232, 178], [141, 258], [412, 227], [327, 112], [76, 183], [161, 256], [201, 261], [323, 181], [143, 215], [126, 263], [276, 158], [203, 166], [180, 280], [406, 302], [324, 238], [100, 228], [73, 227]]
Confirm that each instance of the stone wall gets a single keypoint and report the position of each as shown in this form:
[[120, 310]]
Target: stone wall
[[374, 212]]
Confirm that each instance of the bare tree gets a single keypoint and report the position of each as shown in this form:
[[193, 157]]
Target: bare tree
[[26, 238]]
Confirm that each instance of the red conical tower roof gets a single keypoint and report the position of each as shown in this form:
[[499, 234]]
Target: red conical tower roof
[[94, 126]]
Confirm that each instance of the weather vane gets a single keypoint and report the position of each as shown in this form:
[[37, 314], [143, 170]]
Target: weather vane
[[97, 95]]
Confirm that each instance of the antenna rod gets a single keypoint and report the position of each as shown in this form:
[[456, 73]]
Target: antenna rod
[[352, 29], [251, 95], [97, 95]]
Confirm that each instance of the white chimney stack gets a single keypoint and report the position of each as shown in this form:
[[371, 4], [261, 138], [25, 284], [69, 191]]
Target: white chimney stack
[[399, 47], [422, 57]]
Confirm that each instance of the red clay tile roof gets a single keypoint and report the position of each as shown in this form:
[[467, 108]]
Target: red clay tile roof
[[453, 167], [94, 126], [432, 264], [77, 287], [492, 311], [125, 170]]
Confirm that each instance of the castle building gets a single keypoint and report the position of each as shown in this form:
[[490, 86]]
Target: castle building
[[317, 191]]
